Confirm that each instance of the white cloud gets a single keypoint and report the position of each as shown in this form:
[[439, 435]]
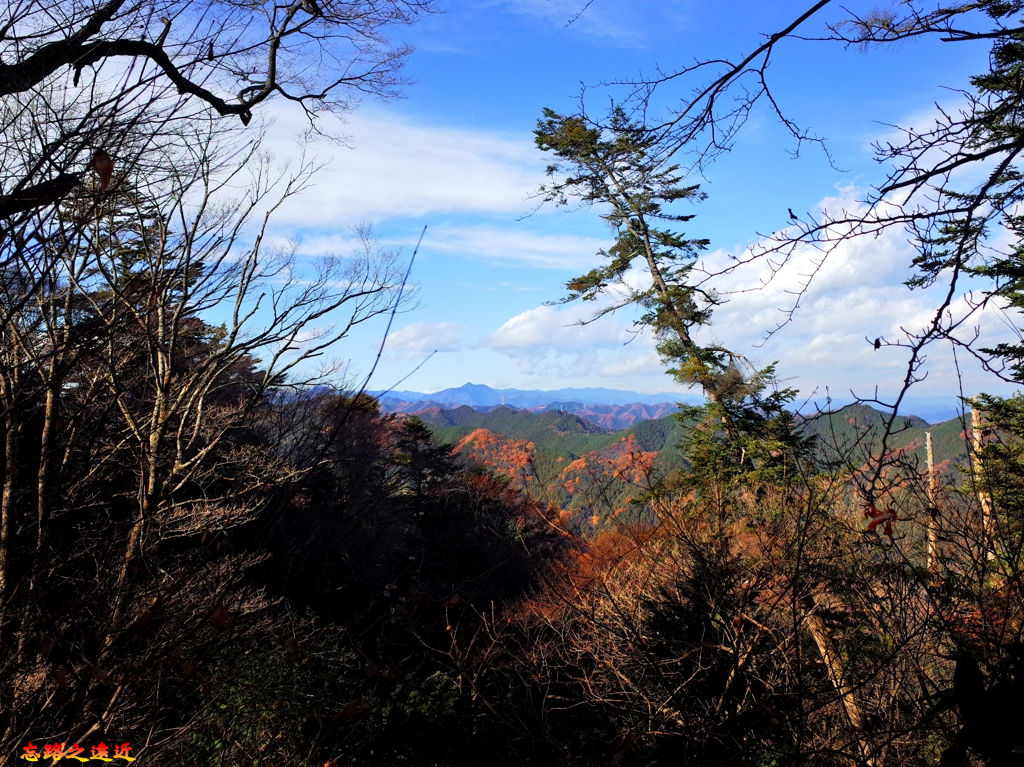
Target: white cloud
[[518, 245], [964, 177], [398, 168], [551, 327], [402, 169], [425, 337], [326, 244], [549, 341], [642, 360], [857, 294]]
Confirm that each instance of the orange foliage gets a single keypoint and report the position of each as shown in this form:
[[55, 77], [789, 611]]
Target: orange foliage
[[580, 464], [514, 458]]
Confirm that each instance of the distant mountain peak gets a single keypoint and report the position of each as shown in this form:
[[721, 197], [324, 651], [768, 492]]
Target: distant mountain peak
[[481, 395], [469, 386]]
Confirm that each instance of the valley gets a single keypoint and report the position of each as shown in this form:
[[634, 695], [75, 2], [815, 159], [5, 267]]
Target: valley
[[598, 462]]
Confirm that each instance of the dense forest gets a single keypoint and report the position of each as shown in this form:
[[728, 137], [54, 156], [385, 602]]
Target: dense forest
[[213, 553], [596, 476]]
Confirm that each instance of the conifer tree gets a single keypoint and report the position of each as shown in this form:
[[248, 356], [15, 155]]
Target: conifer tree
[[622, 167]]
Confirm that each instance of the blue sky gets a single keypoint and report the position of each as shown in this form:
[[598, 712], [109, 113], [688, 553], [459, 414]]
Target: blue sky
[[456, 155]]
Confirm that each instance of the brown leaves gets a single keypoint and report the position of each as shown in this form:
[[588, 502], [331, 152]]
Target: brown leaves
[[103, 167]]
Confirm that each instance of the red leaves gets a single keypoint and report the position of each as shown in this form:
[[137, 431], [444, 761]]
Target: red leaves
[[513, 458], [884, 517]]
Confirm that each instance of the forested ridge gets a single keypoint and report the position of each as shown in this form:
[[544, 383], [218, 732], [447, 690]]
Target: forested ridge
[[595, 475], [214, 552]]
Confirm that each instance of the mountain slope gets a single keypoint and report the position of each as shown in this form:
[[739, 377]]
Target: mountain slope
[[594, 474], [854, 433]]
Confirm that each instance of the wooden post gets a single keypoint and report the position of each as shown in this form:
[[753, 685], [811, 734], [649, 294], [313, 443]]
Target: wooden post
[[931, 556], [984, 499]]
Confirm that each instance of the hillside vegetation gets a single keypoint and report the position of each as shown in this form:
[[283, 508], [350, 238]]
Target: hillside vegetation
[[581, 468]]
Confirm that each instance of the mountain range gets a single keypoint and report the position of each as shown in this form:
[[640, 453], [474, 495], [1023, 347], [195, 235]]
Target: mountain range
[[479, 395], [610, 408], [607, 408]]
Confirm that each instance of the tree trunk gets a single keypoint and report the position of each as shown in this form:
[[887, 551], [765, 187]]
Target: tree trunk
[[832, 659], [7, 496], [43, 475], [12, 429], [984, 497], [933, 511]]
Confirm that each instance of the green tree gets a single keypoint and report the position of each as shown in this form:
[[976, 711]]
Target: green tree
[[623, 168], [617, 167]]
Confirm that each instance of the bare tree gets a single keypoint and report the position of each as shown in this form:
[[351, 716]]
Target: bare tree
[[147, 325], [954, 218], [135, 373], [142, 65]]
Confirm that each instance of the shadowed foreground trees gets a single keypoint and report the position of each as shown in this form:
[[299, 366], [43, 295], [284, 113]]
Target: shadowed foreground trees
[[133, 436], [767, 620], [206, 552], [392, 554]]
